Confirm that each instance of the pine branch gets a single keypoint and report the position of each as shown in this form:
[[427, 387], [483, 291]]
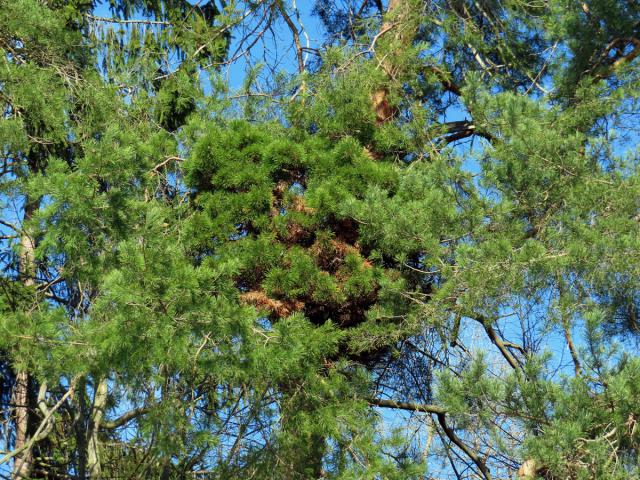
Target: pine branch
[[127, 22], [498, 342], [409, 406], [464, 129], [606, 65], [441, 414], [446, 81], [124, 418], [472, 454], [296, 35]]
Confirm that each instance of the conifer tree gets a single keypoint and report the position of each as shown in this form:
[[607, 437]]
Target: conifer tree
[[410, 251]]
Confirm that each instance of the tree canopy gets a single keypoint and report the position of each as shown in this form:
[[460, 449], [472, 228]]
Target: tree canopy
[[358, 239]]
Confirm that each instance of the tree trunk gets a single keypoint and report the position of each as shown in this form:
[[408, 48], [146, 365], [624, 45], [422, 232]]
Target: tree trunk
[[23, 394], [397, 32], [23, 462], [97, 414]]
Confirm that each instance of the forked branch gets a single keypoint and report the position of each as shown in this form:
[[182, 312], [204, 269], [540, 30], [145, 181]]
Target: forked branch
[[441, 414]]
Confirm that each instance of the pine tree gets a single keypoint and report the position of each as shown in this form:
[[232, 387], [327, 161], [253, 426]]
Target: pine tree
[[431, 222]]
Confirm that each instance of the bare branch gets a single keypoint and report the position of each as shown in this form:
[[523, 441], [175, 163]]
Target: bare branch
[[127, 22], [167, 160], [445, 80], [442, 420], [295, 33], [473, 455], [408, 406], [124, 418], [43, 429], [498, 342]]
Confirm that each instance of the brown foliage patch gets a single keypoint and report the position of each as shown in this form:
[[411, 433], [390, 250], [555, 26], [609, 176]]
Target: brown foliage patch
[[277, 308], [297, 205]]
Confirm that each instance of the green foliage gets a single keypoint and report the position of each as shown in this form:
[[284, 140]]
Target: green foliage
[[198, 282]]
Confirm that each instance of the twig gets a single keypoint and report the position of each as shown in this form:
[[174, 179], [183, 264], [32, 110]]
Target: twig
[[43, 429], [157, 168], [127, 22], [442, 420]]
